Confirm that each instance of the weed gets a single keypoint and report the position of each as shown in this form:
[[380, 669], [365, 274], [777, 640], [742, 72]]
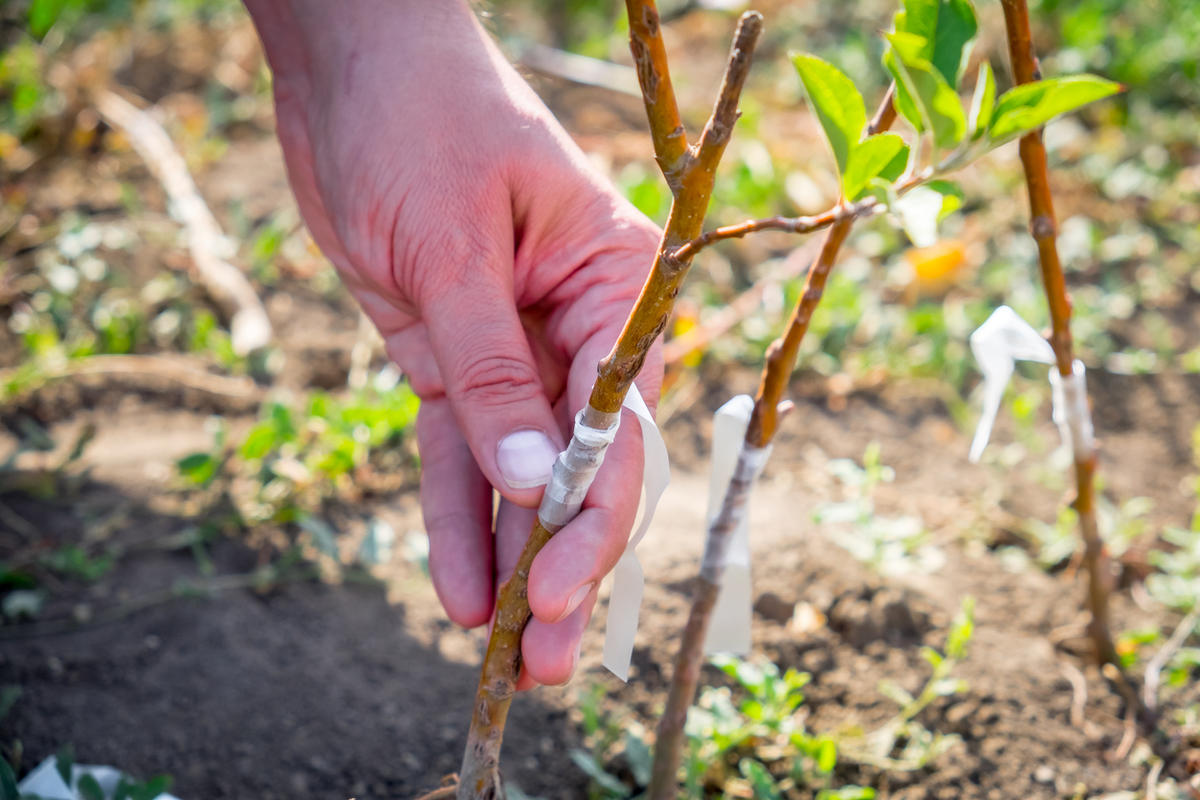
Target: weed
[[890, 545], [903, 743]]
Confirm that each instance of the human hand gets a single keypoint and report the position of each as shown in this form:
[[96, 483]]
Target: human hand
[[499, 269]]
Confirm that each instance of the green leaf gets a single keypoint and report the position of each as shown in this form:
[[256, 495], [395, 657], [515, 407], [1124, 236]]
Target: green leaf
[[8, 781], [606, 781], [639, 757], [1029, 106], [947, 26], [883, 155], [198, 468], [89, 788], [43, 14], [826, 755], [923, 96], [838, 104], [760, 779], [64, 762]]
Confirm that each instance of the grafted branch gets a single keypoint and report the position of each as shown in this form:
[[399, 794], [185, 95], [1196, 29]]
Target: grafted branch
[[1043, 228], [690, 172], [764, 421]]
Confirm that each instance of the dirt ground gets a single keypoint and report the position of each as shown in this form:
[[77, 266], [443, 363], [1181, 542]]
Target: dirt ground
[[362, 688], [316, 690]]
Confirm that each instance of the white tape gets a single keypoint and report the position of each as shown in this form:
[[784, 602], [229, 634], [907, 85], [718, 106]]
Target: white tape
[[729, 562], [574, 471], [1071, 412], [1006, 338], [628, 581]]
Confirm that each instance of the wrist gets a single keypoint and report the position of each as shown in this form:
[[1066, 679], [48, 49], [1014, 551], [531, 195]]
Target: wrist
[[315, 43]]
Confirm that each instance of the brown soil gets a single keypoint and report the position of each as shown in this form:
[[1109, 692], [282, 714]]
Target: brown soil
[[362, 690]]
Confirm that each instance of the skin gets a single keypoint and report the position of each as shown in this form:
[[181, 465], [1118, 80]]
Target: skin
[[496, 263]]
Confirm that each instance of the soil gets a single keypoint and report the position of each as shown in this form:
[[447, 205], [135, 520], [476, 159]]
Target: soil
[[361, 688]]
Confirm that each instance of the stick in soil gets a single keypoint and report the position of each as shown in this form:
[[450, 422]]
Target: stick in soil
[[1043, 228], [689, 171], [764, 422]]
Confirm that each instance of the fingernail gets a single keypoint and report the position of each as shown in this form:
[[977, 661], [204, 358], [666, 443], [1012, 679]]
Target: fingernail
[[525, 458], [575, 600]]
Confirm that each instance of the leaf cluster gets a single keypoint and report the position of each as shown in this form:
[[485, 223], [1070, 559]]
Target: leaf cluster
[[927, 53]]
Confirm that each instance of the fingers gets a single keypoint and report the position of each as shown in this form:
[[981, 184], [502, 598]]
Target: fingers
[[551, 652], [577, 558], [493, 384], [586, 550], [456, 502]]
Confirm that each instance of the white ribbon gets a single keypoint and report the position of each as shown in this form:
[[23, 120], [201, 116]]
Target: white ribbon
[[1006, 338], [628, 582], [729, 628]]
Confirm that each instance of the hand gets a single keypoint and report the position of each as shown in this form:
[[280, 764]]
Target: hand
[[499, 269]]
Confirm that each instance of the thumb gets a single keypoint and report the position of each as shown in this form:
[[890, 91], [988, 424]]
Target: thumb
[[493, 384]]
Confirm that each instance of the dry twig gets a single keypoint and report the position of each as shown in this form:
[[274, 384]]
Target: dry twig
[[250, 328]]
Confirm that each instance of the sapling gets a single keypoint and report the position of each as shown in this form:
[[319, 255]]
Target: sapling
[[1075, 406], [926, 60]]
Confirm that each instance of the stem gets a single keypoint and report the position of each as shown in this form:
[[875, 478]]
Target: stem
[[690, 172], [764, 420], [1043, 228]]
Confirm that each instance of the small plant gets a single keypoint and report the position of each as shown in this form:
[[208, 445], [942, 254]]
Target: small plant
[[890, 545], [903, 743]]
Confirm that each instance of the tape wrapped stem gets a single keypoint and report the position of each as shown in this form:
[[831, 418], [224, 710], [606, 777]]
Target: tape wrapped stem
[[721, 527], [576, 467], [1071, 411]]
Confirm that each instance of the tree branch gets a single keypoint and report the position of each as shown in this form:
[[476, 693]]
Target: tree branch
[[1043, 228], [764, 421], [693, 178], [654, 77]]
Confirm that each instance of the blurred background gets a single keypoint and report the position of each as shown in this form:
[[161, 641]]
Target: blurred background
[[208, 471]]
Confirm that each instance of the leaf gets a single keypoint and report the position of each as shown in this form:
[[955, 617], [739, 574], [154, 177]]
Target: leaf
[[64, 762], [323, 536], [983, 103], [837, 103], [947, 26], [883, 155], [956, 27], [826, 755], [198, 468], [43, 14], [8, 781], [1029, 106], [760, 780], [639, 757], [923, 96], [584, 760], [89, 788]]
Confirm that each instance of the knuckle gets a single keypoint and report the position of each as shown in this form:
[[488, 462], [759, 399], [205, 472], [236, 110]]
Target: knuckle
[[494, 379]]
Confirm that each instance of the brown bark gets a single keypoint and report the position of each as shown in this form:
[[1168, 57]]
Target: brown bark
[[1043, 228]]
